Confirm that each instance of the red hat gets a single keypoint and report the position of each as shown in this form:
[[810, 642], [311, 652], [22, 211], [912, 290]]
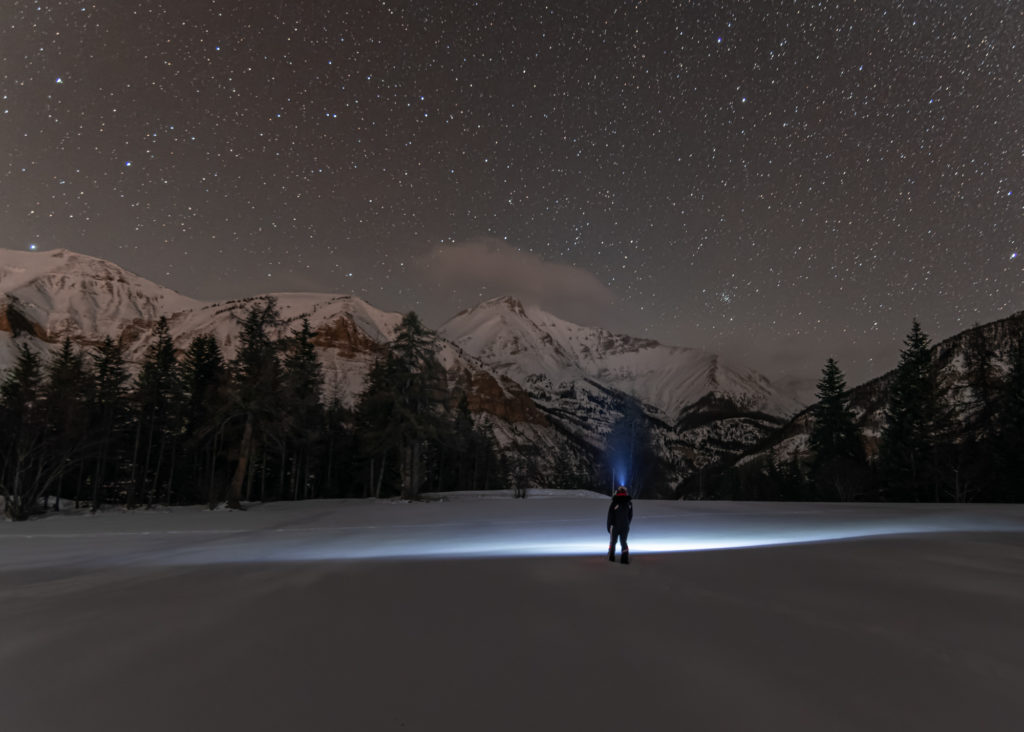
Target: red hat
[[621, 491]]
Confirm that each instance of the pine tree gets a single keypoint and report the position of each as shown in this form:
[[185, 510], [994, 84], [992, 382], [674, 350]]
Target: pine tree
[[21, 390], [67, 395], [22, 452], [109, 409], [913, 423], [158, 400], [378, 428], [302, 384], [204, 382], [834, 439], [467, 457], [464, 455], [256, 375], [338, 449], [203, 377], [1009, 442], [397, 414], [66, 385], [420, 386]]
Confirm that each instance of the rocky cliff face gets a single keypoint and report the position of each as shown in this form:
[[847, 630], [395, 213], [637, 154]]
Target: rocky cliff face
[[15, 322], [345, 339], [498, 396]]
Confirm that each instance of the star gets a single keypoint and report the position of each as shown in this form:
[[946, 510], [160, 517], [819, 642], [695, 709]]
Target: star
[[805, 162]]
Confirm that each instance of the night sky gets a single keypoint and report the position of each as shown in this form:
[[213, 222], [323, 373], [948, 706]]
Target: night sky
[[777, 181]]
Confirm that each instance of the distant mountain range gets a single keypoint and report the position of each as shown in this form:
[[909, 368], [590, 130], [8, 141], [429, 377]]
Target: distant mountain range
[[545, 386]]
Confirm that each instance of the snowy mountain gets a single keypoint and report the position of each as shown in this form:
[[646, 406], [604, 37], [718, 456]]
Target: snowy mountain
[[544, 386], [696, 408], [45, 296], [550, 354], [349, 332], [59, 293]]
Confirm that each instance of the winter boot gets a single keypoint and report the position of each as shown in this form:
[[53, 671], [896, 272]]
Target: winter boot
[[625, 556], [611, 554]]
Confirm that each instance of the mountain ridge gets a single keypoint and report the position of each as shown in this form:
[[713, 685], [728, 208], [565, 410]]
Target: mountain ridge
[[669, 378], [790, 444], [544, 384]]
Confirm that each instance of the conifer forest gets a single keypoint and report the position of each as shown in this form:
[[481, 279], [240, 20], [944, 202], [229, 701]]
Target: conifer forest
[[195, 428], [946, 425]]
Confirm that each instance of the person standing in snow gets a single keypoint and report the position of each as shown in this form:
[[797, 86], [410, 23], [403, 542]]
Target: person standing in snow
[[620, 513]]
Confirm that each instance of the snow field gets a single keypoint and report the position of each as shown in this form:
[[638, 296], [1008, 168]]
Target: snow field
[[484, 613]]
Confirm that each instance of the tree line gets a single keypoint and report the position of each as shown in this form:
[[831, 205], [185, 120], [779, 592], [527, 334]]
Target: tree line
[[946, 434], [258, 427]]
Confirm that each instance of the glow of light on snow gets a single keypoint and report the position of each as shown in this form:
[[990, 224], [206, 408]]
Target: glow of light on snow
[[461, 528], [525, 542], [488, 537]]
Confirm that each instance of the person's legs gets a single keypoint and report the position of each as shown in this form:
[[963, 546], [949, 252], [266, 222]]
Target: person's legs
[[625, 546], [611, 546]]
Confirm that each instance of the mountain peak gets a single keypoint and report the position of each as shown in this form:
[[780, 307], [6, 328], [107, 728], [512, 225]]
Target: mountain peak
[[21, 268], [534, 347], [58, 292], [505, 302], [513, 304]]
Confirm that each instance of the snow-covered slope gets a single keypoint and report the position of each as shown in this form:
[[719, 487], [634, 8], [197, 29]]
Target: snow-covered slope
[[58, 293], [45, 296], [349, 332], [539, 349]]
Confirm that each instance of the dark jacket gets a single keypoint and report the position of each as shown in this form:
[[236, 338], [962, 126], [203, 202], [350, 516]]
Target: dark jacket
[[620, 513]]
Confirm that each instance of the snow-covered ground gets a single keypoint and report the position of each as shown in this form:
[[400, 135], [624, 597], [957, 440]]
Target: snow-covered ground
[[488, 613]]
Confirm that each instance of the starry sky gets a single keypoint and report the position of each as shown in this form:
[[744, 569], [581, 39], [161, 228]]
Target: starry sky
[[777, 181]]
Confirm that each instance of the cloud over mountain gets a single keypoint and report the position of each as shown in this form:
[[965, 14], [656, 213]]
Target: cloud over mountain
[[487, 267]]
